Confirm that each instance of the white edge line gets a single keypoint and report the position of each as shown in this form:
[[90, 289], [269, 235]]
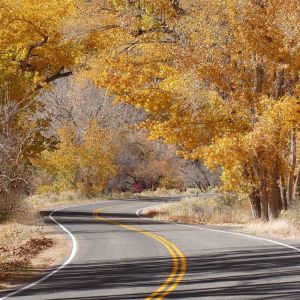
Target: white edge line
[[70, 258], [138, 213]]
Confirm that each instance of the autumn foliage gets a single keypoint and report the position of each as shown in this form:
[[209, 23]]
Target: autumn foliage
[[218, 79], [83, 163]]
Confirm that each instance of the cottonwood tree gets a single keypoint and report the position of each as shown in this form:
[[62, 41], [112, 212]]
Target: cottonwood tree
[[84, 163], [34, 52], [22, 138], [72, 106], [219, 79]]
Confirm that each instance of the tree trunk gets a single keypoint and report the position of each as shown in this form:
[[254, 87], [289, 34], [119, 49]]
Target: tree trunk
[[290, 188], [254, 198], [283, 193], [296, 185], [280, 84], [291, 176], [263, 192], [264, 198], [275, 204], [264, 204], [258, 82]]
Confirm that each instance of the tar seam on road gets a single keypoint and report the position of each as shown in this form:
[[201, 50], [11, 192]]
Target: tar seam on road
[[69, 259], [217, 230], [179, 261]]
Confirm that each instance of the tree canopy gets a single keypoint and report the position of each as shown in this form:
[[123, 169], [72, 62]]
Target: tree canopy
[[219, 79]]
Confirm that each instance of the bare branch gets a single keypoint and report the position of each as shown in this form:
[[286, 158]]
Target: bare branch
[[14, 179]]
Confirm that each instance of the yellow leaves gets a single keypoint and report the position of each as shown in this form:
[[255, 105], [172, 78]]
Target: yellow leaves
[[85, 163], [147, 22], [33, 43], [271, 133], [130, 62], [191, 66], [267, 140]]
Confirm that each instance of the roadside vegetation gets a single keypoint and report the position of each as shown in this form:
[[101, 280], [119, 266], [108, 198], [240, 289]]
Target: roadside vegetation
[[203, 210], [227, 211]]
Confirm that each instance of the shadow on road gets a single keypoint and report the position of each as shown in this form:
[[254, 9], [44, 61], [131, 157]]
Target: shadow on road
[[259, 274], [83, 218]]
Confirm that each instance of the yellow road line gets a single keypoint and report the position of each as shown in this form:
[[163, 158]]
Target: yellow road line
[[179, 261]]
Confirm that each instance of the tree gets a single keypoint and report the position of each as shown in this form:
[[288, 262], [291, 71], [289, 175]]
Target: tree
[[34, 52], [84, 163], [217, 77], [146, 164], [34, 48], [22, 138]]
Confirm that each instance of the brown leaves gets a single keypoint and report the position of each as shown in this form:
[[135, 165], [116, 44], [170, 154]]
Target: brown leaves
[[18, 258]]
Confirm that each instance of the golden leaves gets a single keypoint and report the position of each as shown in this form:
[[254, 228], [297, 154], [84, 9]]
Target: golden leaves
[[192, 65], [33, 41], [85, 163]]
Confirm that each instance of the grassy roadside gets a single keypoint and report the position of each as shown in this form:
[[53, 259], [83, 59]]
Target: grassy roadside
[[230, 212], [27, 245]]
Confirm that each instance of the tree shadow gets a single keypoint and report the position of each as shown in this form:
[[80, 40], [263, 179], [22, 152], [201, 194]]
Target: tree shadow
[[83, 218], [265, 273]]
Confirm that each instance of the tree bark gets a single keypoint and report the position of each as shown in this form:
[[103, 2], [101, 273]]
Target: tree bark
[[264, 204], [275, 204], [283, 193], [258, 83], [296, 183], [255, 203], [264, 198], [280, 84], [291, 176], [262, 187]]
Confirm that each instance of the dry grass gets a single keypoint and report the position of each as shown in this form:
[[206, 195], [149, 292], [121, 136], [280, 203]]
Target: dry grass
[[163, 192], [287, 226], [277, 229], [198, 210], [160, 192], [230, 212]]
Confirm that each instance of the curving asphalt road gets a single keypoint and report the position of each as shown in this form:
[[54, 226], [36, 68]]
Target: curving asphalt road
[[121, 256]]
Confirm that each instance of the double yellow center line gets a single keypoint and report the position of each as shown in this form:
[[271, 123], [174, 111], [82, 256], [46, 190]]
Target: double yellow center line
[[178, 258]]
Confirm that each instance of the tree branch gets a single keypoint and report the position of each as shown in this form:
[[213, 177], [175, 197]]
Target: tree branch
[[176, 6], [14, 179], [58, 75]]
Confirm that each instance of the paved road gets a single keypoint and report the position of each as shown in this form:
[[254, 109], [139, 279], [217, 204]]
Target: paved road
[[121, 256]]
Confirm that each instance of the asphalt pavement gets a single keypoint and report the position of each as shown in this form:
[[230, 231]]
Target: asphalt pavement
[[122, 256]]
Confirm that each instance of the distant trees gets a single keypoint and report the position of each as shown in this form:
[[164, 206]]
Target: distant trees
[[145, 164], [137, 163], [84, 163]]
